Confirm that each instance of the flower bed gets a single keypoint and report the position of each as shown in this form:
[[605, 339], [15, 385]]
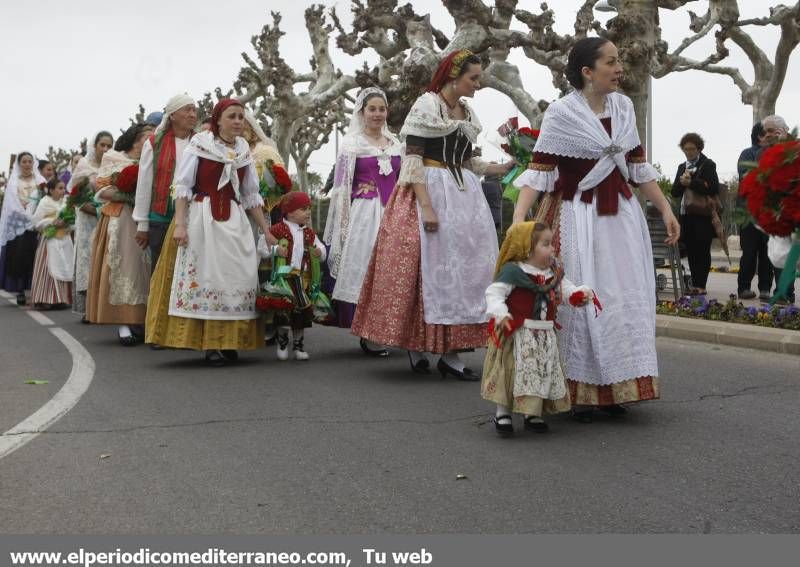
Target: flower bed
[[700, 307]]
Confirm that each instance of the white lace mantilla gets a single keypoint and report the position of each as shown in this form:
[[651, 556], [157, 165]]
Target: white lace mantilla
[[337, 226], [570, 128]]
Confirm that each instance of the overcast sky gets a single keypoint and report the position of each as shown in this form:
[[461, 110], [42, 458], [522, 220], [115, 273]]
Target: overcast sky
[[71, 68]]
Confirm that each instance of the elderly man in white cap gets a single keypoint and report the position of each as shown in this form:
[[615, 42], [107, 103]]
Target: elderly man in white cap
[[157, 166]]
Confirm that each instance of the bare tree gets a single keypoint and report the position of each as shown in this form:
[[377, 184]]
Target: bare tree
[[300, 121], [723, 15]]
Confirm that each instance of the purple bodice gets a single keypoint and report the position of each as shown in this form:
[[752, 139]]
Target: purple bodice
[[368, 183]]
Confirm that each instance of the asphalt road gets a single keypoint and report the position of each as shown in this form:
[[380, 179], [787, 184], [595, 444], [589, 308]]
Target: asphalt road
[[349, 444]]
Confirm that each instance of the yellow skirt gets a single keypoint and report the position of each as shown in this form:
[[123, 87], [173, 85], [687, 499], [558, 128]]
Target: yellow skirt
[[498, 384], [163, 329]]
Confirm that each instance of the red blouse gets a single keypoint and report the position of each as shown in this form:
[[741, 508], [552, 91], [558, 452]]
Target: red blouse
[[572, 170]]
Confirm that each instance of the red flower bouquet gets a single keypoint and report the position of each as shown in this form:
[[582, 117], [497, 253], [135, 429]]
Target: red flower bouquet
[[274, 183], [772, 192], [125, 180]]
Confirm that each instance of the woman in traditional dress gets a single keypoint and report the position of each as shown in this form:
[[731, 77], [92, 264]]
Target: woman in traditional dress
[[366, 173], [119, 277], [18, 238], [83, 180], [265, 154], [203, 294], [436, 248], [52, 268], [587, 153]]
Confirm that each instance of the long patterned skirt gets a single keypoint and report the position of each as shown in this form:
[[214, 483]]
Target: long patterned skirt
[[45, 289], [610, 359], [391, 310], [163, 329], [118, 282]]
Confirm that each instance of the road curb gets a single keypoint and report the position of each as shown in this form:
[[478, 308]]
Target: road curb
[[730, 334]]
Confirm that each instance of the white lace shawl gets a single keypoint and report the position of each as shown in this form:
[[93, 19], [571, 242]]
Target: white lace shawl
[[428, 118], [14, 219], [204, 145], [47, 212], [113, 162], [570, 128], [337, 226]]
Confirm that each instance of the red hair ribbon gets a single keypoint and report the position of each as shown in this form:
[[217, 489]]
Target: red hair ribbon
[[448, 69], [219, 108]]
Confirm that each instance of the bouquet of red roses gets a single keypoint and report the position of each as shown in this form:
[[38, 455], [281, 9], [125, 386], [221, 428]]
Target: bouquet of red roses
[[274, 183], [519, 145], [772, 192], [125, 182], [80, 194]]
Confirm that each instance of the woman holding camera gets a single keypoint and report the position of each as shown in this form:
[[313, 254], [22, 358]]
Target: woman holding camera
[[697, 186]]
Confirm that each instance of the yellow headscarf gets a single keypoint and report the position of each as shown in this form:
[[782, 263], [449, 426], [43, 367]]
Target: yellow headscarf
[[517, 244]]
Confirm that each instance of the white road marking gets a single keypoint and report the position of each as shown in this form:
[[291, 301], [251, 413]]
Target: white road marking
[[73, 389], [4, 293], [40, 318]]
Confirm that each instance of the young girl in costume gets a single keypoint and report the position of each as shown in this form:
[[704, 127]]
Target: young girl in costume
[[522, 372], [52, 267], [301, 241]]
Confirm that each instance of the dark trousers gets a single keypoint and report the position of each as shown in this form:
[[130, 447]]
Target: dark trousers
[[754, 259], [697, 232], [156, 234], [789, 292]]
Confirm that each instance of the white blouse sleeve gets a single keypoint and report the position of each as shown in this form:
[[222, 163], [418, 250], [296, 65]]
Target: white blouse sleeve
[[538, 179], [251, 198], [411, 171], [144, 188], [642, 172], [496, 295], [185, 176], [478, 166]]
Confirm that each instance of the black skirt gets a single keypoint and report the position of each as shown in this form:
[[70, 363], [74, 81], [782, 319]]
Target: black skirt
[[20, 254]]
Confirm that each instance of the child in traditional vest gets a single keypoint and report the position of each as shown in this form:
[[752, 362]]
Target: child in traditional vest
[[522, 372], [302, 241]]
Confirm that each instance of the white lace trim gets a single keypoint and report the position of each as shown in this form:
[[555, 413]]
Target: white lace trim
[[183, 192], [642, 172], [411, 171], [478, 166], [252, 201], [537, 362], [543, 181], [428, 118]]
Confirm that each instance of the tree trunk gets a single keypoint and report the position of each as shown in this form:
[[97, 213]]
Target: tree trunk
[[634, 32]]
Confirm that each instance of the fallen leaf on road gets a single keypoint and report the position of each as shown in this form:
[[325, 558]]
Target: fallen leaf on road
[[105, 456], [461, 477], [37, 382]]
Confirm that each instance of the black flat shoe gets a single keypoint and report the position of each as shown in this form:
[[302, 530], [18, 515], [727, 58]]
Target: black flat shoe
[[421, 367], [21, 299], [230, 355], [615, 410], [503, 429], [535, 424], [214, 358], [584, 416], [467, 374], [369, 352], [85, 321], [130, 340]]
